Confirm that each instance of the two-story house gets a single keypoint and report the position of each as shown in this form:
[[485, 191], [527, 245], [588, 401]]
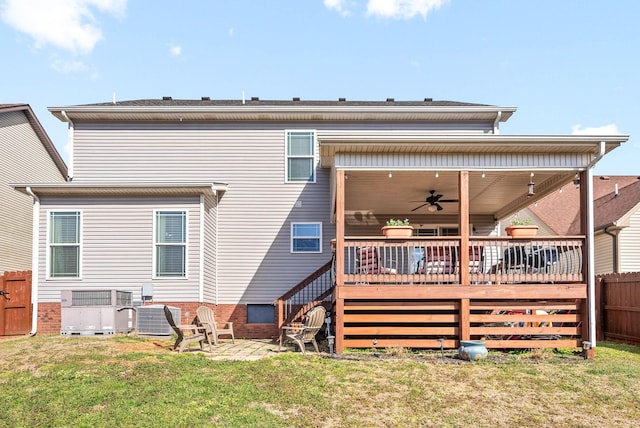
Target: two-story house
[[235, 203]]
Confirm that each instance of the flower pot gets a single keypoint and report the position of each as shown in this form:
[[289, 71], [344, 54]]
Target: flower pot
[[472, 350], [397, 231], [521, 231]]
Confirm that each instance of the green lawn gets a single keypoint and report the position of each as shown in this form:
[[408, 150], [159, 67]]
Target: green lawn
[[127, 381]]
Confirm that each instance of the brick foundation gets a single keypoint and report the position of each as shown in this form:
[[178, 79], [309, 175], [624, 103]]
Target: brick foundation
[[49, 320]]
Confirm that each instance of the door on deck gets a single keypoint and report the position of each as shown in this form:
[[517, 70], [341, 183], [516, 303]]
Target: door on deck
[[15, 303]]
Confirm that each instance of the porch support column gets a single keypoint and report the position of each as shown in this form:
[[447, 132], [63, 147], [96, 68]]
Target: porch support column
[[463, 215], [587, 226], [340, 197]]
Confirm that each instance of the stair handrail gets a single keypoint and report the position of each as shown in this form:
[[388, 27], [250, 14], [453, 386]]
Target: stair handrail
[[286, 307]]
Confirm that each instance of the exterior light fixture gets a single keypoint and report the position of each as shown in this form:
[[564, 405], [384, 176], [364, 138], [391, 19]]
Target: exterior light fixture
[[390, 175], [530, 188], [437, 175], [483, 174]]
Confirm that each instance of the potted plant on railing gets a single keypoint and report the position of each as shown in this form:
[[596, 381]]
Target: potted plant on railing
[[396, 228], [521, 228]]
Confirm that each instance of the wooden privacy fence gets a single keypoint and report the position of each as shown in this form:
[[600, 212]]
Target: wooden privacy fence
[[618, 307]]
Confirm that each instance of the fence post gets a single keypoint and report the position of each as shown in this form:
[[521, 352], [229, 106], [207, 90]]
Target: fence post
[[600, 307]]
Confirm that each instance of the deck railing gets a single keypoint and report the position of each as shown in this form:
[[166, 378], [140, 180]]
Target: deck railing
[[491, 260], [311, 291]]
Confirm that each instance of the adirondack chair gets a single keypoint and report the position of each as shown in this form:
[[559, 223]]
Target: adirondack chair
[[206, 318], [196, 334], [305, 333]]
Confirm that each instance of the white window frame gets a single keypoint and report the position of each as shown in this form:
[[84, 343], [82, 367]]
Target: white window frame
[[50, 244], [185, 244], [313, 156], [319, 237]]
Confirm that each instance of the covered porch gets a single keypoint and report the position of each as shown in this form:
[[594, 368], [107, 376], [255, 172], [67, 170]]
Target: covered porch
[[456, 278]]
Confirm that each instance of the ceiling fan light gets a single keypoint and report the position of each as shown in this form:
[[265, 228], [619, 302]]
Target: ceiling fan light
[[432, 208]]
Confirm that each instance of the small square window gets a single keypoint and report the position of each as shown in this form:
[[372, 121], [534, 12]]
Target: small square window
[[306, 237]]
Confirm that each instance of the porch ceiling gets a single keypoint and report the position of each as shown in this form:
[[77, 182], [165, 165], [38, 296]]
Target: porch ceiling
[[498, 194]]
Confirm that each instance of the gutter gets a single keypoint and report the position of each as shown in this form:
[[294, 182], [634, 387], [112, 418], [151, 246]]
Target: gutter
[[614, 240], [71, 130], [34, 262]]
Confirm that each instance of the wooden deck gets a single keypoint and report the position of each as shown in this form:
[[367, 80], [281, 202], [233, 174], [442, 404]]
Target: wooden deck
[[433, 292]]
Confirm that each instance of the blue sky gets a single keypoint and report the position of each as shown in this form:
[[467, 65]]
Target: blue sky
[[568, 66]]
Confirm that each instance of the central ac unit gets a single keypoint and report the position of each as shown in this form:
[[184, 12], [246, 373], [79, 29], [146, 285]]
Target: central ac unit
[[151, 320], [91, 312]]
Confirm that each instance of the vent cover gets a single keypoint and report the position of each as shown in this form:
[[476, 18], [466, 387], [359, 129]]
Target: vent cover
[[151, 320]]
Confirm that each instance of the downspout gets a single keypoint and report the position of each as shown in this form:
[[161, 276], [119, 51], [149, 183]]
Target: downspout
[[70, 139], [201, 262], [34, 262], [614, 240], [496, 123], [215, 264]]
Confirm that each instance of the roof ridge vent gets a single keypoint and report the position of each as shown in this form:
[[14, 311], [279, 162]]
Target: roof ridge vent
[[167, 98]]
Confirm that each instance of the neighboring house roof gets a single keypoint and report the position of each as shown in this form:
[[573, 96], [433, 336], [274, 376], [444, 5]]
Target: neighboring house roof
[[560, 210], [40, 132], [613, 209]]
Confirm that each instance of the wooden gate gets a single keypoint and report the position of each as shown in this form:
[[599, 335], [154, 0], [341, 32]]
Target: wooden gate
[[15, 303]]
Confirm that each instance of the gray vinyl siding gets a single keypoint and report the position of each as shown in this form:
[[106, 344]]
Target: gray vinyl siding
[[603, 253], [210, 244], [24, 159], [117, 247], [252, 237], [630, 245]]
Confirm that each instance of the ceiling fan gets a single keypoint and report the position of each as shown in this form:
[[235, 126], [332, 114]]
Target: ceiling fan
[[433, 202]]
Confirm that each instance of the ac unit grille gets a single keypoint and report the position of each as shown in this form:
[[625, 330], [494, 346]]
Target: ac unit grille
[[151, 320], [101, 298], [91, 298]]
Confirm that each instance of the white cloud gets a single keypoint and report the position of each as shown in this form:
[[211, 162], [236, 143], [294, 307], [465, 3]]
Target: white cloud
[[65, 24], [340, 6], [403, 9], [175, 50], [610, 129], [66, 67]]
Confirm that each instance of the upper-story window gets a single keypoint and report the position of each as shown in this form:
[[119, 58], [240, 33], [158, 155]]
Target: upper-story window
[[64, 246], [170, 244], [301, 161]]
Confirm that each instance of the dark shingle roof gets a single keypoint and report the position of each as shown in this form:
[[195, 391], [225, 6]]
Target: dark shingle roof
[[206, 101]]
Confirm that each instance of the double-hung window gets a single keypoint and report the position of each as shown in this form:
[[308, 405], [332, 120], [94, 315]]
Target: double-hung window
[[64, 244], [170, 244], [301, 162], [306, 237]]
